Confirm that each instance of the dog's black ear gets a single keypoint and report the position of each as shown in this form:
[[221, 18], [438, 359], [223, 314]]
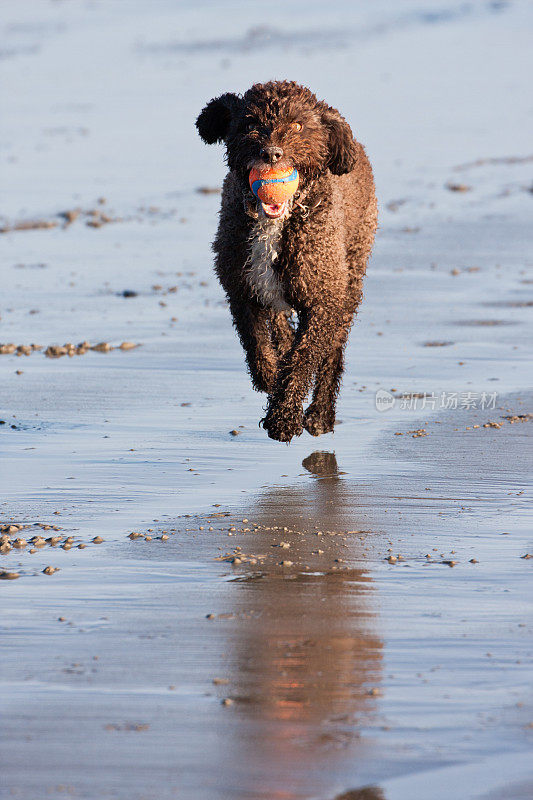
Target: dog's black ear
[[342, 150], [214, 121]]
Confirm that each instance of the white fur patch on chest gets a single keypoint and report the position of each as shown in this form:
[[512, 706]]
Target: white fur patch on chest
[[260, 274]]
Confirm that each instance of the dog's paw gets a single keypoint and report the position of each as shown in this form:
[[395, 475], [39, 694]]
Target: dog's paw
[[283, 423], [318, 421]]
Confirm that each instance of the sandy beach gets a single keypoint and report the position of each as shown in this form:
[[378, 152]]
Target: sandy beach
[[190, 609]]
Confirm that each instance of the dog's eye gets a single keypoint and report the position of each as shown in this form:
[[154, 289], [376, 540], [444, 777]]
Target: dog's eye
[[252, 126], [296, 126]]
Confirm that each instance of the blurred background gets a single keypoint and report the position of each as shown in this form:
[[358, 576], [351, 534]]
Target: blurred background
[[109, 91]]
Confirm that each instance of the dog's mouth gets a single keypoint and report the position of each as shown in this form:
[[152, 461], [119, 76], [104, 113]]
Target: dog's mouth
[[275, 210]]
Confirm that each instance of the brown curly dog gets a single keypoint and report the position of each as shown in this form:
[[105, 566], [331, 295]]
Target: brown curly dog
[[305, 256]]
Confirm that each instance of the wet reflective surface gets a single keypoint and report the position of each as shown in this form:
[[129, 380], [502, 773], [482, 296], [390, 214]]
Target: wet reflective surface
[[282, 651]]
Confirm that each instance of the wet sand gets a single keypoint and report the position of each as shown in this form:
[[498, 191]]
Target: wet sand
[[347, 618], [325, 635]]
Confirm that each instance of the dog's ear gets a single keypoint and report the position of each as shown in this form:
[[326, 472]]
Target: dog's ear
[[342, 150], [214, 120]]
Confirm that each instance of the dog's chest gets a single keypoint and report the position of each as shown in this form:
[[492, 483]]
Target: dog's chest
[[262, 278]]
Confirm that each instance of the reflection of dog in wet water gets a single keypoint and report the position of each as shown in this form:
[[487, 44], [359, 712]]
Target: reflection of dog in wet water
[[321, 463], [367, 793], [279, 253]]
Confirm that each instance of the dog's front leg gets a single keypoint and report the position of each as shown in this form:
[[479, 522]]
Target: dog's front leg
[[284, 417], [282, 333], [252, 324]]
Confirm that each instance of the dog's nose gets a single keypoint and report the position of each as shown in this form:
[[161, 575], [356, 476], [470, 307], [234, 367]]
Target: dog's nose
[[271, 154]]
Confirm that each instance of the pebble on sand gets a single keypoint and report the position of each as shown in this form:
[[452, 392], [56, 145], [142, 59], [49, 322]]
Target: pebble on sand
[[20, 543], [38, 541], [458, 187]]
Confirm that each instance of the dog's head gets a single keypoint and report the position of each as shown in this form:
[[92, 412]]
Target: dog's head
[[283, 124]]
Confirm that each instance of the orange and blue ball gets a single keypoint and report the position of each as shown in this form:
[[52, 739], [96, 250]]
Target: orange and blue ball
[[274, 186]]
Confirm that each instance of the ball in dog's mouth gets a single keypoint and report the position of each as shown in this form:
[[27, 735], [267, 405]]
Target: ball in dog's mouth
[[274, 188], [275, 210]]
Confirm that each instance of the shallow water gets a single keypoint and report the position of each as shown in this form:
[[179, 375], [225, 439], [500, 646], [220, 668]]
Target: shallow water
[[360, 668]]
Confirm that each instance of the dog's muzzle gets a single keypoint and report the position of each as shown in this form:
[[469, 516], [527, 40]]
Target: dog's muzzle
[[274, 210]]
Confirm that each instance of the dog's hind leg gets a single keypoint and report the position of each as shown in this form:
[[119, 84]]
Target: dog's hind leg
[[284, 417], [319, 417]]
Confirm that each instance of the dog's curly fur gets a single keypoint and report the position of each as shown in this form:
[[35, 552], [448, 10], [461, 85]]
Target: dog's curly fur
[[311, 260]]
